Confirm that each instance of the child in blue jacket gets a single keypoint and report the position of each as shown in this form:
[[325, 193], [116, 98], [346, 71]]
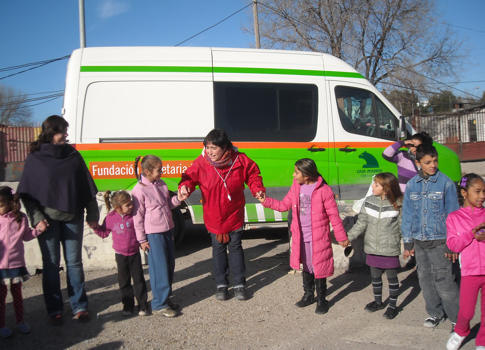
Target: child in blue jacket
[[430, 196]]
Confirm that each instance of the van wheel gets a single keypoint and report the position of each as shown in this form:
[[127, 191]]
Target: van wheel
[[179, 228]]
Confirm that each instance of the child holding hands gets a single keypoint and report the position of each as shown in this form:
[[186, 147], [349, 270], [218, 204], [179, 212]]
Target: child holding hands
[[14, 229], [380, 221], [153, 226], [466, 236], [119, 222], [313, 208]]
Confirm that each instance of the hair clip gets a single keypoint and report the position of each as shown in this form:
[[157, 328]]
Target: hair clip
[[463, 181]]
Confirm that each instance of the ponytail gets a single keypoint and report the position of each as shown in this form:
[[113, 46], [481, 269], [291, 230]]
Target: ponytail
[[135, 166], [107, 201]]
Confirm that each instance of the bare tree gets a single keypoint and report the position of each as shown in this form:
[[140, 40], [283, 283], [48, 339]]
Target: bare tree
[[13, 109], [396, 41]]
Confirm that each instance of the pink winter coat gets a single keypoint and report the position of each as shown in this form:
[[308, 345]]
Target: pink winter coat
[[460, 239], [12, 235], [152, 208], [324, 211]]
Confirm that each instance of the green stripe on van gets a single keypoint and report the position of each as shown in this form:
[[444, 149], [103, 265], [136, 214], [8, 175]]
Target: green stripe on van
[[268, 214], [198, 214], [252, 215], [239, 70]]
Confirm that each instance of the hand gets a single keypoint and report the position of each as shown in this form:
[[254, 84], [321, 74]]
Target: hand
[[42, 225], [223, 238], [145, 246], [451, 256], [407, 253], [184, 191], [261, 196], [93, 224], [344, 243], [408, 143], [478, 228], [182, 196]]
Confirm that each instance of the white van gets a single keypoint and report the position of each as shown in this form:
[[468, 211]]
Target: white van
[[276, 106]]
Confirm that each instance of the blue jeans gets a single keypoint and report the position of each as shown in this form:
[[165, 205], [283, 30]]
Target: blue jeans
[[161, 267], [70, 236], [437, 281], [235, 263]]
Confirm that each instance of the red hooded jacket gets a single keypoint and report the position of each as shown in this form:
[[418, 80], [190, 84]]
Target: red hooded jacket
[[221, 214]]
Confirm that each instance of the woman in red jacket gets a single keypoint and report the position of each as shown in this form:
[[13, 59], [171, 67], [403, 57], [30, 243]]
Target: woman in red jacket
[[221, 172]]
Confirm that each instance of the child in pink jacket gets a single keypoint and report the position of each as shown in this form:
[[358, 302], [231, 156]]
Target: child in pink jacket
[[119, 222], [313, 207], [466, 235], [153, 226], [14, 229]]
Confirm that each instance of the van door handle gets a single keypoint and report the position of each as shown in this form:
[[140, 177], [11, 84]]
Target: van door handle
[[347, 149], [316, 149]]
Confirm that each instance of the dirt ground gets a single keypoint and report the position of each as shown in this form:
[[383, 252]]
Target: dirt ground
[[268, 319]]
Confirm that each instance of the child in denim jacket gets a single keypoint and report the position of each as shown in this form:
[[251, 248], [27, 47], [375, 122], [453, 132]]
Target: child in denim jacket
[[430, 196]]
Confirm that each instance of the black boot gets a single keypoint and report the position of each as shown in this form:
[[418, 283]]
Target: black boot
[[309, 290], [322, 303]]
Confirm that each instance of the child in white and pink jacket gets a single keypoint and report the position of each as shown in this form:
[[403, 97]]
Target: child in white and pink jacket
[[153, 227], [14, 229], [466, 235]]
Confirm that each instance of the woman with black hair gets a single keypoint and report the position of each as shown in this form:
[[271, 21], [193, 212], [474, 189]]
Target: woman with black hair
[[221, 172], [56, 187]]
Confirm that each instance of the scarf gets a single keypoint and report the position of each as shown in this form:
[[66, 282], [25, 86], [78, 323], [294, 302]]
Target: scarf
[[224, 161], [57, 177]]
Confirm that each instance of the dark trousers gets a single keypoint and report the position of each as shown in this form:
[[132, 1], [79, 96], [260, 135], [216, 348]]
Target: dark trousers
[[234, 263], [130, 267]]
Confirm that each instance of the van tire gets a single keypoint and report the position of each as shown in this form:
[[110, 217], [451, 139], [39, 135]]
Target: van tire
[[179, 226]]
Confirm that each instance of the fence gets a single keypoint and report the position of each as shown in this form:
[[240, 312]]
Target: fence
[[463, 132], [14, 147]]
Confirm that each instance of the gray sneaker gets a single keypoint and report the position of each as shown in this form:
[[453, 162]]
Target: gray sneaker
[[240, 293], [432, 322], [167, 312], [221, 293]]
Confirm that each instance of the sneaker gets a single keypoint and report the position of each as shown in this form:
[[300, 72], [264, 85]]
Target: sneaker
[[390, 313], [432, 322], [167, 312], [143, 313], [127, 313], [240, 293], [5, 332], [221, 293], [23, 328], [374, 306], [454, 341], [55, 320], [81, 316]]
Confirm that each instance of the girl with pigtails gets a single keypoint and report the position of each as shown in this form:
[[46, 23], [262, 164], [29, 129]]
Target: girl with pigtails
[[119, 222], [154, 230]]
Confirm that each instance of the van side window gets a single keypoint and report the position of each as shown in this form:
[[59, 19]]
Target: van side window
[[361, 112], [266, 111]]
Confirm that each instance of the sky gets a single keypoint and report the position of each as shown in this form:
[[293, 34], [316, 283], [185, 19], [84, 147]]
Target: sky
[[34, 30]]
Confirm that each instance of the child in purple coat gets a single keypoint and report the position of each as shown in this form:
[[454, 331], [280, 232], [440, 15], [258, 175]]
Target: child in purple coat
[[119, 222]]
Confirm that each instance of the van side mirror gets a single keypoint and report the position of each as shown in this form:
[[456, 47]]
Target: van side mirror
[[401, 135]]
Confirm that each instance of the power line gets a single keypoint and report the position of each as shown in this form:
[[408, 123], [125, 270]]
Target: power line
[[34, 64], [216, 24], [4, 69]]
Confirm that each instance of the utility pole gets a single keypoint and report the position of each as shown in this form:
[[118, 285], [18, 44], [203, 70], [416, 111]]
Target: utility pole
[[82, 33], [256, 24]]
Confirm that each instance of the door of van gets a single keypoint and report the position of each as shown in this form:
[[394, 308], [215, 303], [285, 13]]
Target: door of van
[[269, 105], [363, 126]]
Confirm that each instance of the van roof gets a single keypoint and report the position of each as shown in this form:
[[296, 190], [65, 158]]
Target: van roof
[[202, 56]]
